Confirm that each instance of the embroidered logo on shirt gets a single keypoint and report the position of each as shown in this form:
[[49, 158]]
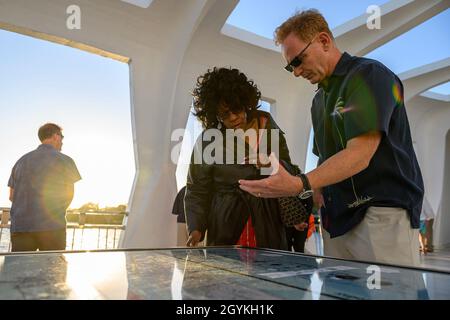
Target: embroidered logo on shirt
[[359, 201], [339, 108]]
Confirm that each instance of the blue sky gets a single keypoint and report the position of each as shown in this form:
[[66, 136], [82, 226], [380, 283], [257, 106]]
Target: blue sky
[[262, 17], [89, 95]]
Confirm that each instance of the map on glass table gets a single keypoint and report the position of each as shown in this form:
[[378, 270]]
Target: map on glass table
[[210, 273]]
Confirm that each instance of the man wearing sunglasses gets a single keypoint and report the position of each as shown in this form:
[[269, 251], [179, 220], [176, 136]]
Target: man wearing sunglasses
[[368, 181], [41, 189]]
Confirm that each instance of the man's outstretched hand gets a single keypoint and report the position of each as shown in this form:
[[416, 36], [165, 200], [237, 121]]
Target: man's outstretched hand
[[280, 183]]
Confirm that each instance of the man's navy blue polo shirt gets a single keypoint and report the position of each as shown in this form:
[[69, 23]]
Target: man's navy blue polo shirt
[[361, 96], [41, 180]]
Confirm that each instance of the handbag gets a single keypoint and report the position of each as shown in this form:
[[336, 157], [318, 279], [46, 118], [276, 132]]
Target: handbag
[[294, 210]]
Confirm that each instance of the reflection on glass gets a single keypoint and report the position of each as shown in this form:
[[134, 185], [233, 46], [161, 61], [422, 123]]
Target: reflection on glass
[[33, 276], [316, 286], [179, 270], [214, 273], [99, 275]]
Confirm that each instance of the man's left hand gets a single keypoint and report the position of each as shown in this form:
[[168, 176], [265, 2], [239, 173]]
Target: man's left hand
[[280, 184]]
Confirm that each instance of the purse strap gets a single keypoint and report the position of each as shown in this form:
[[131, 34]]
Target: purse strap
[[262, 125]]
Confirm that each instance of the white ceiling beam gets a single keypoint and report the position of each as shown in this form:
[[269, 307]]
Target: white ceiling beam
[[419, 80], [397, 17]]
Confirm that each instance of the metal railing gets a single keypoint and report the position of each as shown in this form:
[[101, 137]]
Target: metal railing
[[79, 235]]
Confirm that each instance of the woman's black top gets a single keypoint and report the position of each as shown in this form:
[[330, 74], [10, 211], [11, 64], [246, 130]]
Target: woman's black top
[[215, 203]]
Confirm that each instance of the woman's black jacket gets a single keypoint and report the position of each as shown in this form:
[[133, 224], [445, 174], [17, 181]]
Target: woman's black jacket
[[215, 203]]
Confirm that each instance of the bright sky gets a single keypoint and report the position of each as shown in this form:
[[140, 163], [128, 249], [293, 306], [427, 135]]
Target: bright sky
[[87, 95]]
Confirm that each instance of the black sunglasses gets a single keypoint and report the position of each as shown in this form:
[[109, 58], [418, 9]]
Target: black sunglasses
[[221, 116], [297, 60]]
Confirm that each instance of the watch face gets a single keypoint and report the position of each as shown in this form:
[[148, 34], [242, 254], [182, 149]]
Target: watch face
[[306, 194]]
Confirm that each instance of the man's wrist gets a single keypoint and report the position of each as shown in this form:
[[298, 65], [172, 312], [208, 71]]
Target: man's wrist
[[298, 186], [307, 190]]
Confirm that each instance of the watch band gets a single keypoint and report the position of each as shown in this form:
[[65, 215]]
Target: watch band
[[307, 191]]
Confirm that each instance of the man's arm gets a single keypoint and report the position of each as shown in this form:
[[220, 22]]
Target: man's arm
[[70, 192], [11, 194], [344, 164]]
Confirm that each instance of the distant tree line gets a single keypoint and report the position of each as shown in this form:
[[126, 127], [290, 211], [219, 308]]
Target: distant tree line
[[94, 207]]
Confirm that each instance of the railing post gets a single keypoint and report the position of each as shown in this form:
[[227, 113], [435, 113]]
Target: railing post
[[5, 218], [82, 218]]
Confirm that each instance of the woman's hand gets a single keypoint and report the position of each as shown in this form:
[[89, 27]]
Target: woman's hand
[[318, 199], [194, 238], [302, 226], [280, 184]]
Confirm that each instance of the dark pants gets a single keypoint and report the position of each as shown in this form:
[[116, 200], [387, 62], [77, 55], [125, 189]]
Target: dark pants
[[43, 240], [296, 239]]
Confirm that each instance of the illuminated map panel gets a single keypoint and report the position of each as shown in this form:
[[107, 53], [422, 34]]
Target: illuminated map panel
[[209, 273]]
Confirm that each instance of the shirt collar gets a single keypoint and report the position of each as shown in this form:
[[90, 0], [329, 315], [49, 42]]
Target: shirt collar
[[343, 65], [340, 70], [46, 146]]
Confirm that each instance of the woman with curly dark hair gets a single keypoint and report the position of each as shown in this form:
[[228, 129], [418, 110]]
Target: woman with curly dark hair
[[225, 99]]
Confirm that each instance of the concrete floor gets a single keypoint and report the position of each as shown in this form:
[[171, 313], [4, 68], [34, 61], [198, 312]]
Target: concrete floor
[[439, 259]]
